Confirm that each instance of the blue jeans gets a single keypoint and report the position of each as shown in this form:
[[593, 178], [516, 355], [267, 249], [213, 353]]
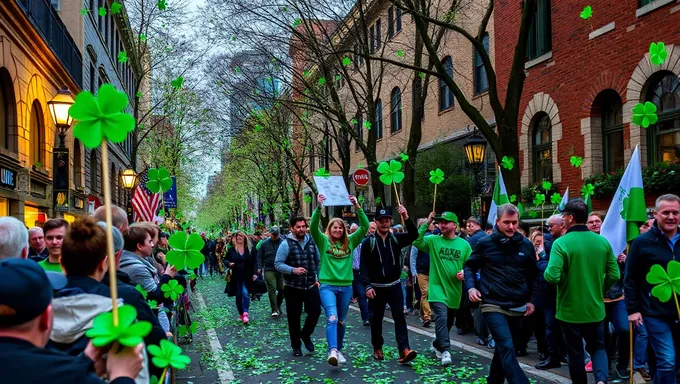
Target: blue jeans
[[660, 334], [360, 294], [618, 316], [242, 298], [403, 291], [640, 348], [505, 331], [335, 301]]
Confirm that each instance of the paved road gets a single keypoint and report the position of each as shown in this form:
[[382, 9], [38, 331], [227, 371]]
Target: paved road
[[226, 351]]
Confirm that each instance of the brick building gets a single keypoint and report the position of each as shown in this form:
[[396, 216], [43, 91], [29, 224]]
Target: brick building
[[583, 79]]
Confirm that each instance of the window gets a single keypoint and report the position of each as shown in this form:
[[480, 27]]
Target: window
[[378, 119], [645, 2], [101, 20], [37, 141], [663, 138], [398, 21], [378, 35], [481, 81], [360, 132], [390, 22], [7, 111], [540, 33], [93, 8], [611, 119], [94, 171], [395, 112], [77, 164], [371, 36], [55, 4], [542, 147], [445, 93]]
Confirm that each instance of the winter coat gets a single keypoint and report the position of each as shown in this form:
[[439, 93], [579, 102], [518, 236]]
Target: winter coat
[[381, 259], [141, 272], [245, 266]]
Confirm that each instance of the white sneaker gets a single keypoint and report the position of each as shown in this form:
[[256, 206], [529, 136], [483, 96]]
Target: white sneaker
[[275, 314], [435, 350], [341, 358], [446, 358], [333, 357]]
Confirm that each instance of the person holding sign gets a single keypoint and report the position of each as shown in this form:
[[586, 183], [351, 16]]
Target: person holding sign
[[336, 274]]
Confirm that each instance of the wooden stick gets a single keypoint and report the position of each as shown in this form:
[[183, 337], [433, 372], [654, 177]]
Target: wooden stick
[[396, 193], [434, 202], [630, 331], [676, 303], [109, 231]]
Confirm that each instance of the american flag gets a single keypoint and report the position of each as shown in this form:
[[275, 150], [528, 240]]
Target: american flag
[[145, 204]]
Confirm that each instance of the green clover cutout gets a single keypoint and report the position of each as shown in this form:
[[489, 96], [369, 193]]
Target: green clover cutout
[[142, 37], [322, 81], [307, 199], [152, 304], [546, 185], [555, 198], [378, 201], [587, 12], [192, 275], [436, 176], [404, 157], [539, 199], [172, 289], [162, 5], [576, 161], [513, 198], [338, 77], [237, 69], [323, 172], [141, 290], [354, 122], [102, 11], [167, 355], [138, 94], [159, 180], [657, 53], [306, 74], [533, 214], [116, 7], [587, 190], [84, 11], [186, 250], [182, 331], [644, 114], [297, 22], [361, 200], [346, 61], [665, 283], [400, 53], [100, 117], [421, 75], [367, 125], [390, 173], [360, 166], [178, 82], [128, 332], [508, 162], [258, 127], [122, 57]]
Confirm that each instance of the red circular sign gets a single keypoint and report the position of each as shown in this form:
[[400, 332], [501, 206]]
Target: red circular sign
[[361, 177]]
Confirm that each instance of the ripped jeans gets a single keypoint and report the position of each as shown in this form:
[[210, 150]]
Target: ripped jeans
[[335, 301]]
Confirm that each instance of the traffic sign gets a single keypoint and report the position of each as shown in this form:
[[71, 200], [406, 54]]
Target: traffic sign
[[361, 177]]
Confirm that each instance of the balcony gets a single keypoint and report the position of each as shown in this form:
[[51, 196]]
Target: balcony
[[53, 31]]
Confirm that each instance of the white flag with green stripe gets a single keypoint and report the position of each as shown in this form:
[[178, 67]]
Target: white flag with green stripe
[[500, 197], [627, 210], [565, 200]]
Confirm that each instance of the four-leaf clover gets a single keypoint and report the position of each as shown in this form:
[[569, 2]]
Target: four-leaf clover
[[390, 173], [539, 199], [186, 250], [436, 176], [587, 12], [128, 332], [657, 53], [587, 190], [576, 161], [666, 283], [508, 162], [323, 172], [644, 114], [168, 354], [513, 198], [172, 289], [159, 180]]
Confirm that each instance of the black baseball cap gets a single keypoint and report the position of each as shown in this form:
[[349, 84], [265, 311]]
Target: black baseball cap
[[383, 212], [25, 290]]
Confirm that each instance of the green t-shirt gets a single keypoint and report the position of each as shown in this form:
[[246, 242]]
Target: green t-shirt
[[336, 264], [447, 257], [51, 267]]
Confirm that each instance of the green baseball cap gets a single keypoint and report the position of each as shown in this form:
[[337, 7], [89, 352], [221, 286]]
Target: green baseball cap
[[448, 216]]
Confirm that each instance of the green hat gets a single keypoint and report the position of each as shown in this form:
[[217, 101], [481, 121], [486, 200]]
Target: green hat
[[448, 216]]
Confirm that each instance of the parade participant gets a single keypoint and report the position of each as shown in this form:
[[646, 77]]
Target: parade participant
[[357, 285], [420, 267], [298, 260], [381, 268], [266, 255], [583, 266], [119, 217], [13, 238], [55, 230], [243, 266], [335, 275], [448, 253], [657, 246], [506, 261], [37, 250]]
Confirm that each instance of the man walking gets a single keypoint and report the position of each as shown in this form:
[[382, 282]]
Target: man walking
[[420, 268], [37, 250], [381, 267], [55, 230], [266, 256], [357, 284], [507, 262], [448, 253], [583, 266], [298, 260]]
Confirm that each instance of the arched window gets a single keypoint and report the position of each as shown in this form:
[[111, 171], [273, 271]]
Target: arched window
[[378, 119], [542, 147], [663, 138], [445, 93], [395, 112], [7, 112], [37, 138], [77, 164], [94, 171], [611, 123]]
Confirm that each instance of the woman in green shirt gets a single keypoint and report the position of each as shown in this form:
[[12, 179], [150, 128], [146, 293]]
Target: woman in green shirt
[[336, 275]]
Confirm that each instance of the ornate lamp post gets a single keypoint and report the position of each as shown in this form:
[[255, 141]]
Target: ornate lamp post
[[129, 180], [475, 150], [59, 106]]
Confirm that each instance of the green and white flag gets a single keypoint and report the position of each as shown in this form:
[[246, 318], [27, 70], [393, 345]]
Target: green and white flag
[[565, 200], [627, 210], [500, 197]]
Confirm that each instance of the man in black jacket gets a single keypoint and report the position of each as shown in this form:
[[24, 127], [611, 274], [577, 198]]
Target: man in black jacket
[[509, 284], [381, 267], [265, 264], [658, 246]]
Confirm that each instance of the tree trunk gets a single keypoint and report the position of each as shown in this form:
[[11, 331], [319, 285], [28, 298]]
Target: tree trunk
[[509, 146]]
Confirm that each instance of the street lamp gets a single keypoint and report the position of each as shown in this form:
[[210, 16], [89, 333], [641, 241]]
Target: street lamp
[[59, 106], [475, 149], [128, 178]]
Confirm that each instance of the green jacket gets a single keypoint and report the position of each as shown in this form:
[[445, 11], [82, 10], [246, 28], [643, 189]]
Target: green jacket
[[336, 264], [583, 266]]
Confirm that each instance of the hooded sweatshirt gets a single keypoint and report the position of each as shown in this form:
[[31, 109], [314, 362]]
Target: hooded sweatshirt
[[144, 274]]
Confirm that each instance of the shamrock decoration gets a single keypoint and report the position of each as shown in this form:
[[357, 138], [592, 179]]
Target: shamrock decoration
[[138, 94], [539, 199], [152, 303], [102, 11], [378, 201], [192, 275], [555, 198], [400, 53], [306, 74], [436, 176], [361, 199], [172, 289], [346, 61], [323, 172], [100, 117], [178, 82], [360, 166], [162, 5], [297, 22], [128, 332], [644, 114], [307, 199], [84, 11], [657, 53], [116, 7], [159, 180], [142, 37], [421, 75], [390, 173], [122, 57], [576, 161], [533, 214], [168, 354], [322, 81], [404, 157], [546, 185], [587, 12], [141, 290], [354, 122], [186, 250], [508, 162], [587, 190], [338, 77], [367, 124], [513, 198], [183, 330], [666, 283]]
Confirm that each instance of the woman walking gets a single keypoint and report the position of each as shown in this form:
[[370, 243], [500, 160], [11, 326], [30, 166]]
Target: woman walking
[[336, 274], [244, 271]]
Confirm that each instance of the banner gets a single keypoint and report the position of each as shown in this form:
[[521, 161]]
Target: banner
[[170, 197]]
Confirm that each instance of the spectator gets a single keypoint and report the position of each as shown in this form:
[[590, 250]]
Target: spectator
[[243, 263], [475, 230], [119, 218], [55, 230], [37, 250], [420, 264], [13, 238], [273, 279], [357, 284]]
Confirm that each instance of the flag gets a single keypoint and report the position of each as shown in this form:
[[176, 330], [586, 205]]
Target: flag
[[500, 197], [589, 204], [565, 200], [145, 204], [627, 210]]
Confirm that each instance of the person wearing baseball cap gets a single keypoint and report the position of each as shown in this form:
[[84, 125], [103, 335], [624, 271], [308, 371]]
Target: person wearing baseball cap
[[448, 254], [26, 323]]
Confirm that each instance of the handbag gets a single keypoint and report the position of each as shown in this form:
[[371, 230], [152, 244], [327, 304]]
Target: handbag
[[227, 275]]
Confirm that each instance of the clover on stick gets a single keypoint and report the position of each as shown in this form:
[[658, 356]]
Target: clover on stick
[[436, 176], [172, 289], [390, 172], [666, 283], [539, 199], [128, 332], [186, 250], [168, 354], [159, 180], [555, 198], [587, 190]]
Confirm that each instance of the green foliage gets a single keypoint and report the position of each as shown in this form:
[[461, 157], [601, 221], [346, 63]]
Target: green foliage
[[657, 178], [457, 183], [529, 193]]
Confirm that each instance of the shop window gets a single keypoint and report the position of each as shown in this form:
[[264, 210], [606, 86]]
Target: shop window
[[37, 136], [663, 138]]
